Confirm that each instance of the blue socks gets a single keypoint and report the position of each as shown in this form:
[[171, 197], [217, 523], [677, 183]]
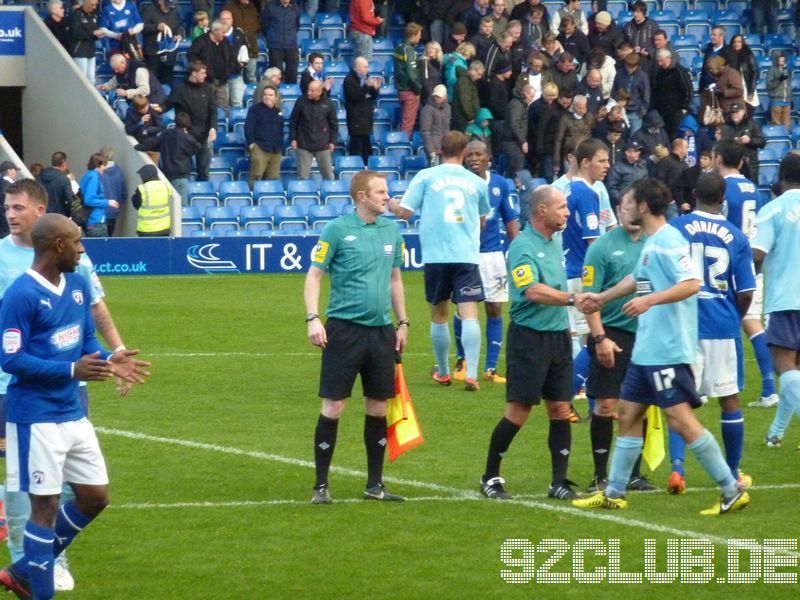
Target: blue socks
[[440, 338], [494, 340], [733, 439], [457, 331], [677, 452], [69, 523], [708, 454], [764, 360], [471, 339], [626, 452], [37, 564], [790, 389]]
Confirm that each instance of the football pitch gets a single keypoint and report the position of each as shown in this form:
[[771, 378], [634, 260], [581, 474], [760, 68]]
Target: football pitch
[[211, 466]]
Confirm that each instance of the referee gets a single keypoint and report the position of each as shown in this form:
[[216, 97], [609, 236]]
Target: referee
[[608, 261], [362, 252], [539, 354]]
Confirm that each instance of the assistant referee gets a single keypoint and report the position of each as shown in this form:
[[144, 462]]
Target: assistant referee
[[362, 252]]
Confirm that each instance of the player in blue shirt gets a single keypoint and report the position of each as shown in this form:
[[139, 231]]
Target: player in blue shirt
[[660, 372], [721, 252], [48, 346], [776, 248], [25, 202], [494, 274], [741, 204], [452, 205]]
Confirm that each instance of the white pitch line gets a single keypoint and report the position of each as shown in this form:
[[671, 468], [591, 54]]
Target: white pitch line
[[458, 492], [249, 503], [253, 354]]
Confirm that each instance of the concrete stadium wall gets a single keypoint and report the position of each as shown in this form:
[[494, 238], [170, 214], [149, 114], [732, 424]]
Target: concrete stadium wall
[[61, 110]]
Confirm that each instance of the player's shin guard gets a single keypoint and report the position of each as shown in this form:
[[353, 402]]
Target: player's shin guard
[[790, 389], [494, 341], [18, 509], [471, 339], [559, 441], [502, 436], [601, 431], [69, 523], [626, 450], [375, 443], [440, 338], [457, 333], [733, 439], [708, 454], [37, 563], [764, 360], [580, 370], [324, 445], [677, 452]]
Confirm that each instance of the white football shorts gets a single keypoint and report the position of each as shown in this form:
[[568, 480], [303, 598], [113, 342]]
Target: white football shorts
[[41, 456], [717, 369], [494, 276]]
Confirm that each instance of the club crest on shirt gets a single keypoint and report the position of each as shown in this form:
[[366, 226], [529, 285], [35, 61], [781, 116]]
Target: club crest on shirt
[[496, 191], [522, 275], [77, 295]]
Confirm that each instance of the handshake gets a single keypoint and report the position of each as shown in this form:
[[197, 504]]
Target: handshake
[[588, 302]]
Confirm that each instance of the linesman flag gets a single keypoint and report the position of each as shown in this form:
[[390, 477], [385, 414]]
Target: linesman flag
[[653, 452], [403, 431]]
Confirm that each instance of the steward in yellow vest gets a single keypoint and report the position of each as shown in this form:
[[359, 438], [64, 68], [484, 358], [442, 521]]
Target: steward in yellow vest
[[152, 199]]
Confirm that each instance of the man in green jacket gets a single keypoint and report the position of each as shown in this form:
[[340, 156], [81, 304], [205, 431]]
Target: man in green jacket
[[406, 76]]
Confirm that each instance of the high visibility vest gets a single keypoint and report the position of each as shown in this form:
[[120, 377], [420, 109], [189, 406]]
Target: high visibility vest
[[154, 211]]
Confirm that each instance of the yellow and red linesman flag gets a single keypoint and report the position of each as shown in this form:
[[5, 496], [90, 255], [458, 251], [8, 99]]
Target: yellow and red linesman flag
[[403, 432], [653, 452]]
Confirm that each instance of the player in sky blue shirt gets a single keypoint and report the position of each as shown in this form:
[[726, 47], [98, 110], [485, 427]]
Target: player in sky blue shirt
[[48, 345], [660, 371], [721, 253], [452, 204]]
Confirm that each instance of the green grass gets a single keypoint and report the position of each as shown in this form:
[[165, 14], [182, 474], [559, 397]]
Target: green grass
[[232, 370]]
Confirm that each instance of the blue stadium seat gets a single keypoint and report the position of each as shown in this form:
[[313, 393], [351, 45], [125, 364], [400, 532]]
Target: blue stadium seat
[[333, 190], [199, 191], [322, 47], [397, 144], [230, 143], [288, 215], [329, 26], [218, 216], [384, 164], [398, 188], [707, 6], [200, 233], [343, 49], [387, 98], [411, 165], [235, 193], [191, 215], [237, 118], [767, 175], [187, 229], [241, 169], [253, 217], [268, 189], [615, 7], [348, 164], [382, 47], [676, 6], [320, 215], [348, 209], [300, 189], [289, 90]]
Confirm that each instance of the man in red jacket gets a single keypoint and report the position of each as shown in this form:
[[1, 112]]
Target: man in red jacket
[[362, 26]]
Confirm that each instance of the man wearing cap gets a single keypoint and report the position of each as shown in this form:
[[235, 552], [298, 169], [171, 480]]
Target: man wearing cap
[[746, 130], [606, 34], [8, 175], [626, 171], [434, 122], [151, 199], [456, 37]]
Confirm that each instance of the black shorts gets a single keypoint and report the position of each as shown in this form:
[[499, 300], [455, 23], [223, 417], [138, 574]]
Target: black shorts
[[538, 365], [607, 383], [783, 329], [357, 350], [459, 282]]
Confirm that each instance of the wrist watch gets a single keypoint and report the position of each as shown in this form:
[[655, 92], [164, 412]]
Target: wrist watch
[[571, 300], [599, 338], [311, 316]]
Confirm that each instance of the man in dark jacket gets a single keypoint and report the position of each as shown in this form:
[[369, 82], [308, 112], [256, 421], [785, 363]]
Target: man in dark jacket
[[606, 34], [160, 17], [670, 169], [196, 98], [263, 134], [466, 98], [625, 172], [56, 183], [57, 23], [133, 79], [573, 40], [360, 93], [515, 129], [640, 30], [716, 47], [673, 92], [84, 30], [280, 22], [218, 55], [313, 129], [546, 133], [746, 130]]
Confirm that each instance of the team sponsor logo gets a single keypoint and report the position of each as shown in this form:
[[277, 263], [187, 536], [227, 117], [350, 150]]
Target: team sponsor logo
[[77, 295], [592, 221], [471, 291], [618, 253], [388, 249], [540, 255], [350, 238], [588, 275], [12, 341], [67, 337], [202, 257], [46, 302], [320, 252], [522, 275]]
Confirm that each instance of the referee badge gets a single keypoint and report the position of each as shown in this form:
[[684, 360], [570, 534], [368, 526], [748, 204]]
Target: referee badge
[[320, 252], [388, 249], [522, 275], [588, 275]]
